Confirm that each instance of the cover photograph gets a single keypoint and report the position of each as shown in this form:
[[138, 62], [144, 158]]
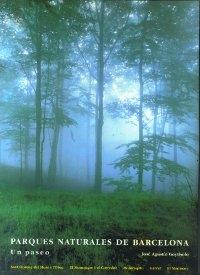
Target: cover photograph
[[99, 137]]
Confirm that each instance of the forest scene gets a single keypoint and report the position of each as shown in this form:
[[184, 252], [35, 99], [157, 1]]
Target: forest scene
[[99, 129]]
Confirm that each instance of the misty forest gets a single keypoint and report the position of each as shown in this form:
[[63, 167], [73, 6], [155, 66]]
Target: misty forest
[[98, 129]]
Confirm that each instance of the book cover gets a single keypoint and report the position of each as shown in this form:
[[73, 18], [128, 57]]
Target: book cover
[[99, 137]]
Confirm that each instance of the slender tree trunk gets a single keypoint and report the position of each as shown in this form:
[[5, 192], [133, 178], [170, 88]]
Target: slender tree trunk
[[44, 114], [155, 152], [198, 225], [26, 145], [99, 107], [54, 148], [53, 158], [140, 165], [43, 138], [38, 110], [88, 137], [21, 150], [0, 151], [175, 155], [61, 153], [140, 118]]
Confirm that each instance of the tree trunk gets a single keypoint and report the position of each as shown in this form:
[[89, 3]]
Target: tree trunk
[[38, 110], [88, 137], [0, 151], [140, 165], [53, 158], [198, 225], [140, 118], [26, 145], [99, 107], [47, 90], [21, 151], [54, 148], [175, 155], [155, 151], [61, 154]]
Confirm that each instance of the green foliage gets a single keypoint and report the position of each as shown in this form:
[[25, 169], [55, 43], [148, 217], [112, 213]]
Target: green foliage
[[124, 109], [168, 167], [123, 184], [61, 118], [165, 166], [19, 117]]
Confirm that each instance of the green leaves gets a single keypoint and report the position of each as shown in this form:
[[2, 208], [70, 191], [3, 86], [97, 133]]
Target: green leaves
[[124, 109], [167, 167], [153, 145], [60, 119], [122, 184]]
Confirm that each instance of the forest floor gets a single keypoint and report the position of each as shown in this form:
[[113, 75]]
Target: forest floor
[[41, 213]]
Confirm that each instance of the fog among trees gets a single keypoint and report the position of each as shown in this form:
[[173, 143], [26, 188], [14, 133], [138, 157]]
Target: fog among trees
[[100, 94]]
